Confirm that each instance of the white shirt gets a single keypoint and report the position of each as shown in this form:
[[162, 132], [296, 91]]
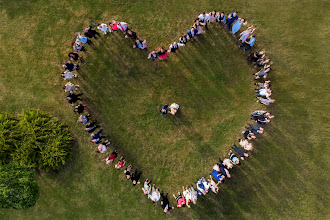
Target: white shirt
[[103, 27], [68, 75], [206, 18], [69, 87], [122, 26], [174, 105], [102, 148], [155, 196], [187, 195], [263, 92], [227, 163], [206, 185]]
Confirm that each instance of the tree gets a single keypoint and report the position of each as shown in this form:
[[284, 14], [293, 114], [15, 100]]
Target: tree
[[18, 187], [34, 139]]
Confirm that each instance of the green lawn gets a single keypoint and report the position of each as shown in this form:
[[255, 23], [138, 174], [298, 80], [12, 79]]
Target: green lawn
[[286, 175], [212, 85]]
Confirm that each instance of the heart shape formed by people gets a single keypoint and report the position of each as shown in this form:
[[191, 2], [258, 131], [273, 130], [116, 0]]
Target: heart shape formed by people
[[208, 79]]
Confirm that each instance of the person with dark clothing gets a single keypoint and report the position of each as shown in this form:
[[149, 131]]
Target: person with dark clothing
[[70, 66], [255, 129], [165, 203], [127, 172], [72, 98], [240, 151], [90, 33], [254, 57], [232, 17], [222, 169], [96, 138], [74, 56], [249, 135], [90, 126], [135, 177], [79, 108], [164, 109]]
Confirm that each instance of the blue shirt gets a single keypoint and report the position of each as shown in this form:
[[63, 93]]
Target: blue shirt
[[251, 42], [82, 39], [164, 107], [232, 19]]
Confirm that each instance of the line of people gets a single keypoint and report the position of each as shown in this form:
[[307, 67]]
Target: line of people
[[222, 169]]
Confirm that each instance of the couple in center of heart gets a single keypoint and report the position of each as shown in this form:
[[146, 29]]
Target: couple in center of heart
[[173, 109]]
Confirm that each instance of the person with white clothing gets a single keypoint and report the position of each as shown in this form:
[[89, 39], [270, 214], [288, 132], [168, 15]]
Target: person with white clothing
[[173, 47], [174, 108], [204, 18], [68, 75], [187, 195], [154, 195], [104, 28]]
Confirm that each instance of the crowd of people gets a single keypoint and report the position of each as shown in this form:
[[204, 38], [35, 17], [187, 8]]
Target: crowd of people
[[239, 152]]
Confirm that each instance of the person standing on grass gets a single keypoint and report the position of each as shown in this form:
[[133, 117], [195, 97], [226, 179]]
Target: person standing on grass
[[221, 18], [146, 187], [69, 87], [165, 203], [249, 44], [213, 16], [83, 39], [175, 46], [111, 157], [154, 195], [234, 159], [74, 56], [237, 25], [68, 75], [96, 138], [102, 148], [69, 66], [153, 55], [241, 152], [204, 18], [90, 33], [104, 28], [79, 109], [120, 163], [232, 17], [162, 53], [180, 200], [191, 33], [127, 171], [72, 98], [163, 111], [135, 177], [113, 25], [245, 34], [214, 186]]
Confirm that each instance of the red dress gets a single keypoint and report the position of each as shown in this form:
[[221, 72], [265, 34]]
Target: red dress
[[163, 56]]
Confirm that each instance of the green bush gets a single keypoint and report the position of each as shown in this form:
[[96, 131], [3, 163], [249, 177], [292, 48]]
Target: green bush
[[39, 140], [18, 187], [9, 137]]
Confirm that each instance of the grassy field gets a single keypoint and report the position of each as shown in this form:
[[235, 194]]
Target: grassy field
[[285, 177], [126, 91]]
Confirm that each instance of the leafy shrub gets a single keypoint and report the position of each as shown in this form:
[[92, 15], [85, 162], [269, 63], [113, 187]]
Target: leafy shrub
[[18, 187], [9, 137], [41, 141]]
